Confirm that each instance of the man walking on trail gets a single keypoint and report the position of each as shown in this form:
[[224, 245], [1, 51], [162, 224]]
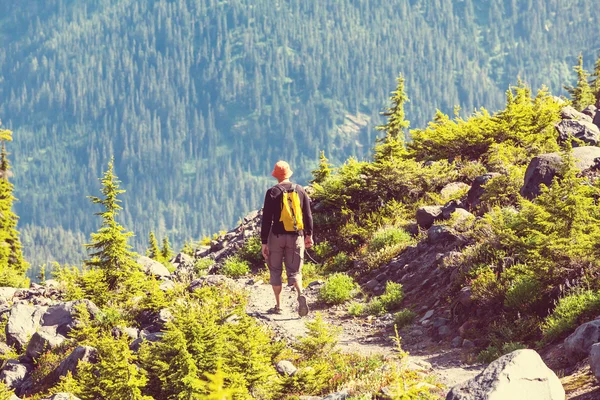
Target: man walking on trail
[[286, 231]]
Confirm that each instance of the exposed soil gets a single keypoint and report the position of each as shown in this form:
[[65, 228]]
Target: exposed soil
[[362, 335]]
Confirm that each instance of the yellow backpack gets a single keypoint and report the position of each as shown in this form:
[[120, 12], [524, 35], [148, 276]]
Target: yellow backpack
[[291, 211]]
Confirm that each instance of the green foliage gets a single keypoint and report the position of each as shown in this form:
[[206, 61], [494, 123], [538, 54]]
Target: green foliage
[[320, 340], [340, 262], [582, 94], [404, 318], [388, 236], [492, 353], [166, 252], [356, 309], [570, 311], [203, 265], [595, 86], [393, 295], [323, 170], [525, 122], [323, 249], [337, 289], [234, 267], [391, 146], [153, 251], [251, 252], [5, 392], [110, 252]]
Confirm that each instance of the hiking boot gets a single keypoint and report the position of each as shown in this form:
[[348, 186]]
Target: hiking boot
[[302, 306], [274, 310]]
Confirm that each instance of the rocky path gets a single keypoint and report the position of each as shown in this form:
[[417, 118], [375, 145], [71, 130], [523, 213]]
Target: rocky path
[[365, 335]]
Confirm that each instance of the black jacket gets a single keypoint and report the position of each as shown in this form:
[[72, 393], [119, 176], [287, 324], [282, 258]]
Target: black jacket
[[272, 212]]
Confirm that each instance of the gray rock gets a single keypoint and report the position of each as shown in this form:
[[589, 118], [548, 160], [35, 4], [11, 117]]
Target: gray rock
[[543, 168], [427, 315], [13, 373], [456, 342], [427, 215], [450, 207], [520, 375], [372, 284], [597, 119], [202, 251], [382, 277], [343, 395], [164, 316], [570, 113], [63, 315], [286, 368], [7, 293], [453, 188], [440, 233], [477, 190], [23, 321], [43, 340], [167, 285], [579, 343], [444, 331], [153, 267], [64, 396], [183, 258], [437, 322], [468, 344], [590, 111], [595, 360], [211, 280], [585, 131]]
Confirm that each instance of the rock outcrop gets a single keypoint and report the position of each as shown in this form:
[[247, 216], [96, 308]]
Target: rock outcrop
[[585, 131], [580, 342], [520, 375]]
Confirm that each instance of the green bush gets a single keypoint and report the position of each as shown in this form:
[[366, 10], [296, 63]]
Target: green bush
[[320, 339], [393, 296], [235, 268], [356, 309], [341, 262], [569, 312], [388, 236], [203, 265], [404, 318], [337, 289], [375, 307], [492, 353], [251, 252], [323, 250]]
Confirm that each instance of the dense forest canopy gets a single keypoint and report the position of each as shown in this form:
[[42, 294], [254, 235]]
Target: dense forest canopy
[[196, 99]]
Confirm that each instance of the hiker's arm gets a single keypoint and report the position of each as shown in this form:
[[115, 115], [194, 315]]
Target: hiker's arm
[[267, 218], [308, 221]]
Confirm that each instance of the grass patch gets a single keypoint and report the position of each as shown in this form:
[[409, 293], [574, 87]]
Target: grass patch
[[337, 289], [234, 267]]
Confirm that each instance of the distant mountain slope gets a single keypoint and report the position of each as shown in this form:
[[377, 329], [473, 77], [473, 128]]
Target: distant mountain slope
[[197, 98]]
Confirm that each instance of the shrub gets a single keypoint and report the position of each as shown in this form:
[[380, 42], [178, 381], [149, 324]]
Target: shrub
[[251, 252], [404, 318], [523, 292], [337, 289], [570, 311], [341, 262], [320, 339], [393, 295], [388, 236], [356, 309], [492, 353], [375, 307], [235, 268], [323, 250], [203, 265]]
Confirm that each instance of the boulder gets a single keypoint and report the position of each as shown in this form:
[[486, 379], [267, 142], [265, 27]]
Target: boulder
[[182, 258], [579, 343], [167, 285], [590, 111], [23, 321], [585, 131], [343, 395], [13, 373], [570, 113], [63, 315], [202, 251], [596, 120], [440, 233], [450, 207], [7, 293], [64, 396], [543, 168], [285, 368], [595, 360], [43, 340], [153, 267], [452, 188], [477, 190], [427, 215], [520, 375]]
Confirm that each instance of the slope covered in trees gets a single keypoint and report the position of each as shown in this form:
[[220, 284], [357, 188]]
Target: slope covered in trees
[[197, 98]]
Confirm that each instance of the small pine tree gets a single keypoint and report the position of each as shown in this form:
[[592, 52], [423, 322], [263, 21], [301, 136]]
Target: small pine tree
[[581, 94], [323, 171], [166, 252], [596, 80], [12, 264], [391, 146], [153, 251], [110, 251]]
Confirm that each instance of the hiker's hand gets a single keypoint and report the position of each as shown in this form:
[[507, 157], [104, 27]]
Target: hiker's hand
[[308, 242], [265, 251]]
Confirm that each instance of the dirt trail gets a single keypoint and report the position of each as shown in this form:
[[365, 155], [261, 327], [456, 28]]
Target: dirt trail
[[363, 336]]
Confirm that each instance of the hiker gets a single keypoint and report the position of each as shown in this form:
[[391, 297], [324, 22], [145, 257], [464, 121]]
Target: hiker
[[285, 232]]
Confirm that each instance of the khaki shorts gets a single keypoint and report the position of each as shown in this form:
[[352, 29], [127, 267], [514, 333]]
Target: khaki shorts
[[288, 249]]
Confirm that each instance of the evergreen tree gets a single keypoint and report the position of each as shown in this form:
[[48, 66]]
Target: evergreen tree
[[596, 80], [166, 252], [153, 251], [110, 251], [581, 94], [12, 264], [391, 146], [323, 171]]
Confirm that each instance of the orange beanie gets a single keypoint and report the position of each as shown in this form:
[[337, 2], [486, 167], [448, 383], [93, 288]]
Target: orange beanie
[[281, 170]]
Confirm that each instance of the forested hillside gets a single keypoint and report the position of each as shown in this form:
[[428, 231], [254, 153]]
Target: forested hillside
[[196, 99]]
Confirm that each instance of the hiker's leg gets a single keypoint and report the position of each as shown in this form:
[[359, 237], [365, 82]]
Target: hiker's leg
[[275, 264], [294, 259]]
